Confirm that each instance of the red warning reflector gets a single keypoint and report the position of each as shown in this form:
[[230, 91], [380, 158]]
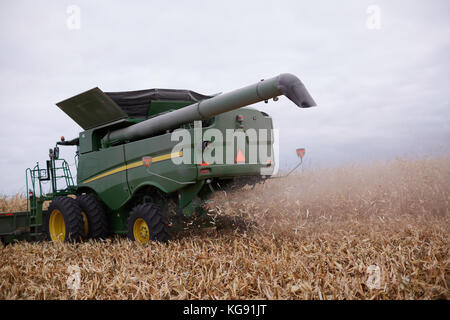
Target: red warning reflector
[[240, 157], [204, 171], [300, 152], [6, 214], [147, 161]]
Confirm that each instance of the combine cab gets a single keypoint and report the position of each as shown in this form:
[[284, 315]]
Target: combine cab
[[148, 159]]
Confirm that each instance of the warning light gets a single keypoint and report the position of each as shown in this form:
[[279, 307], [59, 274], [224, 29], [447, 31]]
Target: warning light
[[62, 138], [300, 152], [240, 157], [240, 117], [147, 161], [204, 164]]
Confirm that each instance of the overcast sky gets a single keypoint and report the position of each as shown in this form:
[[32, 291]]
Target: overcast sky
[[378, 70]]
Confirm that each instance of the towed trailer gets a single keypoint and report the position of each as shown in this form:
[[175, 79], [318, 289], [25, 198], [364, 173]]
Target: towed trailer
[[28, 225]]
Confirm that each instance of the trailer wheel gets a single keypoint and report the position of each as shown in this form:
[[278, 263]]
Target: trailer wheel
[[147, 222], [94, 217], [63, 221]]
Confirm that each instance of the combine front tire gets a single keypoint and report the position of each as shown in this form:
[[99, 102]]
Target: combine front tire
[[94, 217], [63, 221], [147, 222]]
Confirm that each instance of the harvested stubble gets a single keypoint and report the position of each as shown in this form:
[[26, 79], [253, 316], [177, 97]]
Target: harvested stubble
[[310, 236]]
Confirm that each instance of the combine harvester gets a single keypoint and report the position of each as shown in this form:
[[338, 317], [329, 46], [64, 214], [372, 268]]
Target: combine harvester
[[130, 167]]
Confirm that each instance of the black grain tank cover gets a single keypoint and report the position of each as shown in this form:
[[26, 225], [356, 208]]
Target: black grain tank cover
[[136, 103]]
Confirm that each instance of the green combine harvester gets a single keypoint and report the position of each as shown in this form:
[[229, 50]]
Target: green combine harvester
[[134, 175]]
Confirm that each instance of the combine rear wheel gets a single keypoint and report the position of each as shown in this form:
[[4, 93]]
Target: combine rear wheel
[[94, 217], [63, 221], [147, 222]]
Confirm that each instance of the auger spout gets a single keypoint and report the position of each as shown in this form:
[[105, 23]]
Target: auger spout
[[285, 84]]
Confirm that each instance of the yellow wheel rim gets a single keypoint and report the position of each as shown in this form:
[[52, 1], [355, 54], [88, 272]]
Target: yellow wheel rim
[[141, 231], [56, 226], [85, 222]]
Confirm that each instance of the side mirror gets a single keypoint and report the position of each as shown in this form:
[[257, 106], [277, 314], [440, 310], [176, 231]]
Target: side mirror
[[56, 153]]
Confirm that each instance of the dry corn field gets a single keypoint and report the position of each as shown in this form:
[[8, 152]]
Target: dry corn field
[[367, 231]]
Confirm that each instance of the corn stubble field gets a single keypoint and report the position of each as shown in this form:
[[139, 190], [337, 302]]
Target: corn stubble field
[[314, 235]]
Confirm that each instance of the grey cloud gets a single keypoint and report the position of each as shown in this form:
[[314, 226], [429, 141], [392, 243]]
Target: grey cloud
[[380, 93]]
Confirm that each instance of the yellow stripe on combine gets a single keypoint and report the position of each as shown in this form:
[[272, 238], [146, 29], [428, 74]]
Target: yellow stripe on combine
[[135, 165]]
